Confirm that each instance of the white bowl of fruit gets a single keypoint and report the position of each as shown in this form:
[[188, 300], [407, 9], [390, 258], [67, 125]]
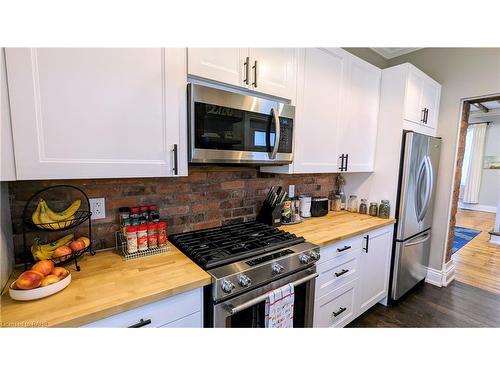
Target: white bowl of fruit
[[42, 280]]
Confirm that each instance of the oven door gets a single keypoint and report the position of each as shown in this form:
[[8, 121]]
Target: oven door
[[227, 127], [247, 310]]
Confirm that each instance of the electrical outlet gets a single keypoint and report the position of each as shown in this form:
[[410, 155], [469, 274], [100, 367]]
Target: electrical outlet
[[98, 208], [291, 191]]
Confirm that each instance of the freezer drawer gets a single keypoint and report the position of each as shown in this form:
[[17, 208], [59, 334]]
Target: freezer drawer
[[410, 263]]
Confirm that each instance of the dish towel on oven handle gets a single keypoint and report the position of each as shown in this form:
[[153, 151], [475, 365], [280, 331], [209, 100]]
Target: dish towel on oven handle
[[279, 307]]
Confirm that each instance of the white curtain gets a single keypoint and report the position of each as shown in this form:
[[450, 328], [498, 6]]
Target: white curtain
[[475, 167]]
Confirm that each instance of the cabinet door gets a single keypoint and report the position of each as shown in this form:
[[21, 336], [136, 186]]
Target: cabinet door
[[7, 167], [374, 267], [225, 65], [413, 110], [318, 111], [274, 71], [98, 112], [430, 101], [358, 129]]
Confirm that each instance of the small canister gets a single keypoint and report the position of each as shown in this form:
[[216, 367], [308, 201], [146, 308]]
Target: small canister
[[373, 211], [363, 208], [131, 239], [152, 235], [142, 237], [162, 233], [384, 210]]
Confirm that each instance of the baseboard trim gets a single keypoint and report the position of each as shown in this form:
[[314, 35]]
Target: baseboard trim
[[477, 207], [494, 238], [441, 277]]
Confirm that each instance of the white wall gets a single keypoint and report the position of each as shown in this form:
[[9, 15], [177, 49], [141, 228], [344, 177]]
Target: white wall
[[463, 73], [6, 245]]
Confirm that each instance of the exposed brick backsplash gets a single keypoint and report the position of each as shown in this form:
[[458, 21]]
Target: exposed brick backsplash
[[210, 196]]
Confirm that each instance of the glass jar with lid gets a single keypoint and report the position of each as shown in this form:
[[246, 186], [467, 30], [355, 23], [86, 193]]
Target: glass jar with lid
[[352, 203], [373, 210], [384, 209], [363, 208]]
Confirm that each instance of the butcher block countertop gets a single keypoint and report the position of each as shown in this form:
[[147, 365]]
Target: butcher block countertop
[[336, 226], [105, 286]]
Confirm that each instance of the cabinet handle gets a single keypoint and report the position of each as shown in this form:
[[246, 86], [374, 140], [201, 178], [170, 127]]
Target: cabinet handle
[[338, 274], [247, 70], [255, 74], [367, 238], [342, 159], [141, 323], [422, 118], [346, 162], [337, 313], [176, 161], [344, 249], [426, 115]]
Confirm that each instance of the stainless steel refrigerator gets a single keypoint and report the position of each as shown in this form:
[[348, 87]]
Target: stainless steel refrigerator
[[414, 210]]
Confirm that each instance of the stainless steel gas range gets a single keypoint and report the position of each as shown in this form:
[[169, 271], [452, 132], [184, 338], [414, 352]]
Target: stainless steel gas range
[[246, 262]]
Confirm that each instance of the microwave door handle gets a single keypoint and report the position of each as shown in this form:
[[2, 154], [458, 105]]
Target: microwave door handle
[[236, 309], [274, 113]]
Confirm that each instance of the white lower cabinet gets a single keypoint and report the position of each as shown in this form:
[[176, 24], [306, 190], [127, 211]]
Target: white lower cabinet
[[182, 310], [353, 276]]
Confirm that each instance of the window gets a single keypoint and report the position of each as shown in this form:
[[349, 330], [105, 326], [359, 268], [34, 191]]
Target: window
[[466, 162]]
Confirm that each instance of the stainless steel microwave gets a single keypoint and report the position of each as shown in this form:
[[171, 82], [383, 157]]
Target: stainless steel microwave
[[227, 127]]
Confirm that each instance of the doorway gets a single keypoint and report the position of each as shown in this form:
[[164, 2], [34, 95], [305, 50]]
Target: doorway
[[476, 196]]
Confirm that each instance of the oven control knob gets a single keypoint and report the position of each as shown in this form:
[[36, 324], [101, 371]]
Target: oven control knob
[[277, 268], [304, 259], [226, 286], [244, 280], [314, 255]]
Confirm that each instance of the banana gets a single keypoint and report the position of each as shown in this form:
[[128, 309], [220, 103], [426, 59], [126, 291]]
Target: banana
[[63, 215], [45, 251], [35, 217]]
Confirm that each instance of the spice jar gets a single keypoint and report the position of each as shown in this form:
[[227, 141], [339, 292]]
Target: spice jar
[[154, 215], [124, 213], [134, 213], [162, 233], [336, 203], [373, 211], [352, 203], [142, 237], [131, 239], [126, 223], [384, 210], [152, 235], [144, 212], [363, 208]]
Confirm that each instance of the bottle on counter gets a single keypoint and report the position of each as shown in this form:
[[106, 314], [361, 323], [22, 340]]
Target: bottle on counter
[[343, 200], [142, 237], [363, 208], [352, 203], [132, 239], [384, 209], [162, 233], [373, 211]]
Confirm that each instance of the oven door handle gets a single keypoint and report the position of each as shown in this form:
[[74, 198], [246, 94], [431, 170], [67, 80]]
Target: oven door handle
[[235, 309]]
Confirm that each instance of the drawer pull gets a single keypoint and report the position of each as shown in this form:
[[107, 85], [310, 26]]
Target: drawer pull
[[141, 323], [337, 274], [343, 249], [341, 310]]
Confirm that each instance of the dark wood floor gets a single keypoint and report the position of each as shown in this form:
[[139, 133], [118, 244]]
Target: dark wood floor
[[458, 305]]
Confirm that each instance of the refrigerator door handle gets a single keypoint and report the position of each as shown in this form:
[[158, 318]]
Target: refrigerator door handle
[[424, 238], [418, 188], [429, 182]]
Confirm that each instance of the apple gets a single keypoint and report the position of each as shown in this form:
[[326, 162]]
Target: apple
[[77, 245], [62, 251], [29, 280], [45, 267], [60, 272], [50, 279], [85, 240]]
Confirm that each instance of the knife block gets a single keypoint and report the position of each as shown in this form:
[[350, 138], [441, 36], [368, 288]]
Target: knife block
[[270, 215]]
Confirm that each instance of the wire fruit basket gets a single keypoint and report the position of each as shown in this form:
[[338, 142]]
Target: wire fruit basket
[[121, 245]]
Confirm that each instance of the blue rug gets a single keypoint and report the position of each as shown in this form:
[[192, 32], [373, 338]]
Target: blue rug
[[462, 237]]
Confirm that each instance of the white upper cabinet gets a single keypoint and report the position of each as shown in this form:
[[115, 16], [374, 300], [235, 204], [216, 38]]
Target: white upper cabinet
[[358, 130], [374, 264], [95, 113], [7, 166], [337, 110], [421, 100], [271, 71], [218, 64]]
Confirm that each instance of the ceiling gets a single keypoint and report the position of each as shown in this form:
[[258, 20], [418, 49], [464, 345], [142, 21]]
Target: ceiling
[[489, 112], [391, 52], [494, 104]]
